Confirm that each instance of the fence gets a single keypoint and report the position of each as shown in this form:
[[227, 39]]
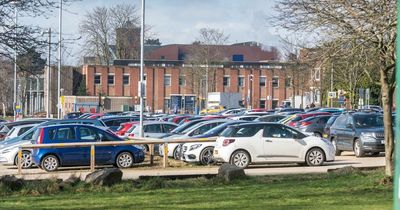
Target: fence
[[133, 141]]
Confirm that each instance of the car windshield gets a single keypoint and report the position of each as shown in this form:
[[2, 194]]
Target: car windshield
[[365, 121]]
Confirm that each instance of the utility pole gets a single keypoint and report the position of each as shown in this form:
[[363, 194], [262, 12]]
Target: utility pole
[[48, 77], [141, 85], [331, 85], [59, 63], [206, 106], [15, 59]]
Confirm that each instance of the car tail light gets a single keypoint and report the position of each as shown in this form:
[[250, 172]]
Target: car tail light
[[131, 135], [305, 123], [41, 134], [226, 142]]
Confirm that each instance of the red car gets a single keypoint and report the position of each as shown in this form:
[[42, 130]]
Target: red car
[[95, 116], [300, 117], [123, 128], [179, 118]]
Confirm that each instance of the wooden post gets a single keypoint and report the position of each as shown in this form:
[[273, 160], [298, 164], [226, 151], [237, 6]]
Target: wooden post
[[19, 161], [165, 155], [92, 158], [151, 147]]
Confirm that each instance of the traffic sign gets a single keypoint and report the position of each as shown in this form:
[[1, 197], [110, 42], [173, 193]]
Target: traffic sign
[[332, 94]]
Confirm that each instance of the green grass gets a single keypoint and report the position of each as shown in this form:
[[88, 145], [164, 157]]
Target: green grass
[[324, 191]]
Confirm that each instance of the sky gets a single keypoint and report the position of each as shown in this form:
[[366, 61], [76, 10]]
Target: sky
[[174, 21]]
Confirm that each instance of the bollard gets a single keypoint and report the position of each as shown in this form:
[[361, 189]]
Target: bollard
[[165, 155], [92, 158], [151, 147], [19, 161]]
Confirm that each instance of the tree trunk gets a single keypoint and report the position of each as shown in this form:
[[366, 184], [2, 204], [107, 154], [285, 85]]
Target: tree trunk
[[387, 99]]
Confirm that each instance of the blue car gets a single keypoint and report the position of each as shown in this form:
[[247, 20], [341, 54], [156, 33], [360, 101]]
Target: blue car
[[50, 159]]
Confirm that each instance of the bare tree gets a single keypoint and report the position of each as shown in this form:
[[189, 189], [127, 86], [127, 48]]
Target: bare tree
[[371, 24], [205, 54]]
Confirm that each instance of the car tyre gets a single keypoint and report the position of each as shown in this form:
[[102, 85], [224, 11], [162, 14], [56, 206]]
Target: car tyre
[[375, 154], [206, 156], [337, 152], [317, 134], [177, 152], [358, 150], [124, 160], [240, 158], [50, 163], [315, 157], [26, 160]]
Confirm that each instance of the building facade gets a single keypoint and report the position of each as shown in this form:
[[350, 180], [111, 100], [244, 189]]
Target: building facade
[[261, 84]]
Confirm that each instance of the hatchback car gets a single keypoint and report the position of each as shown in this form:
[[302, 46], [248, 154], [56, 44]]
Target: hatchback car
[[313, 125], [249, 143], [50, 159], [300, 117]]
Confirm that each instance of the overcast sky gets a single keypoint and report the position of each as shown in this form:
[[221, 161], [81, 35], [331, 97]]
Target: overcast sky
[[178, 21]]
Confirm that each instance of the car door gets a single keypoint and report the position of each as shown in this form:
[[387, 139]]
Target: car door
[[281, 143], [348, 134], [68, 155], [153, 131], [87, 134], [337, 131]]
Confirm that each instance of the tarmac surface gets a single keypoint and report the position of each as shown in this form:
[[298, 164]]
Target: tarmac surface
[[347, 159]]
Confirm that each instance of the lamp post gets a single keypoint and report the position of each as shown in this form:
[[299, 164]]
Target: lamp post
[[15, 57], [59, 63], [48, 107], [141, 84], [250, 90]]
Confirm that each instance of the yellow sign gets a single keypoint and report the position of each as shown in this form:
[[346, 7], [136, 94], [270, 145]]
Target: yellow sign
[[62, 100], [18, 107]]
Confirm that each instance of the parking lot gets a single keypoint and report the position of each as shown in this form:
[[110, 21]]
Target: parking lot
[[177, 168]]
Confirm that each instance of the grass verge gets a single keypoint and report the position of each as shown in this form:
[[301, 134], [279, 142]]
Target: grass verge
[[358, 190]]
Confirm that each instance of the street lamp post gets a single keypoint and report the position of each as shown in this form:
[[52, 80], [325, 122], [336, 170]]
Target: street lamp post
[[141, 84], [250, 90], [15, 59], [59, 63], [48, 76]]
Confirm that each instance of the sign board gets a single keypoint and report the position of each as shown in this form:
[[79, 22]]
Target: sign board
[[62, 100], [331, 94]]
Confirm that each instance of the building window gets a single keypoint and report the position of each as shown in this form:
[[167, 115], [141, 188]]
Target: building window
[[167, 104], [275, 82], [110, 79], [167, 80], [97, 79], [288, 82], [262, 104], [227, 81], [237, 57], [182, 81], [125, 79], [263, 81], [241, 81]]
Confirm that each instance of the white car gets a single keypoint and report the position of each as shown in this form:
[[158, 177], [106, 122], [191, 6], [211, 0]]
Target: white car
[[18, 130], [247, 118], [249, 143], [198, 129], [229, 112], [9, 150]]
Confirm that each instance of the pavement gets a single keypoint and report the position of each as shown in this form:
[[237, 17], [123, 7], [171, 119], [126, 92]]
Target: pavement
[[347, 159]]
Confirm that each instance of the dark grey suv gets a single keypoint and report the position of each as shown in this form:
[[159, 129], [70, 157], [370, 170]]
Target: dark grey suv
[[359, 132]]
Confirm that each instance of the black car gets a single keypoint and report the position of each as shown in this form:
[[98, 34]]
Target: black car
[[359, 132], [313, 125], [270, 118], [114, 122]]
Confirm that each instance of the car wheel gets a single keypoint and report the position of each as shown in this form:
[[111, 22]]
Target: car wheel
[[315, 157], [50, 163], [206, 156], [358, 150], [124, 160], [337, 152], [177, 152], [26, 160], [240, 159]]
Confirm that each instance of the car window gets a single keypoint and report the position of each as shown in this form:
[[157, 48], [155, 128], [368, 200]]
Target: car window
[[331, 120], [88, 134], [323, 120], [153, 128], [340, 122], [365, 121], [241, 131], [23, 130], [278, 131], [168, 128], [62, 134], [10, 131], [104, 136], [29, 135]]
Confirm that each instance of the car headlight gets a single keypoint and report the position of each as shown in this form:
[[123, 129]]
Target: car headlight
[[194, 146], [368, 137]]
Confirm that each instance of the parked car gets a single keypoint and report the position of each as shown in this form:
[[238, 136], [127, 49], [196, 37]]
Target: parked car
[[270, 118], [327, 129], [246, 118], [359, 132], [253, 143], [212, 110], [50, 159], [114, 122], [151, 129], [73, 115], [200, 128], [300, 117], [313, 125], [18, 130], [123, 128], [230, 112], [202, 152], [6, 127], [182, 127], [283, 110], [179, 118], [331, 110]]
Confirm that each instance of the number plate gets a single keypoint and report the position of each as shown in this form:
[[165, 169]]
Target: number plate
[[382, 141]]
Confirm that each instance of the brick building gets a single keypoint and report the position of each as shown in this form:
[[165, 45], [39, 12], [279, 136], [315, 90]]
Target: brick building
[[270, 85]]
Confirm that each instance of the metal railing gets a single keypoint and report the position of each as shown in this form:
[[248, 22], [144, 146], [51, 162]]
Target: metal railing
[[133, 141]]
